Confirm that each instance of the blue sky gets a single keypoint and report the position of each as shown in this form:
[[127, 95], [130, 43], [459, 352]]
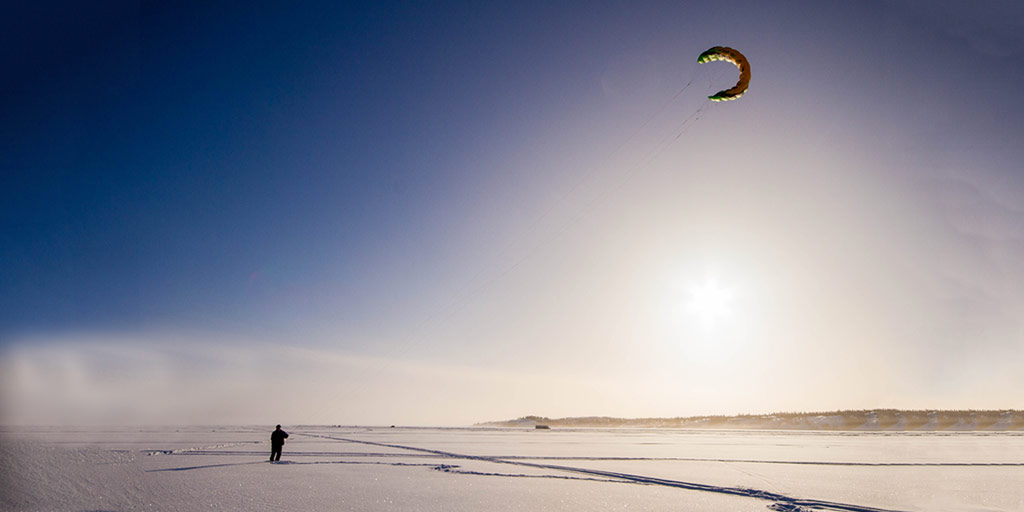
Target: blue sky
[[497, 191], [165, 157]]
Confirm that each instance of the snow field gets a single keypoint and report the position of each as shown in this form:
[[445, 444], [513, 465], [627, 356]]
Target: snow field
[[352, 468]]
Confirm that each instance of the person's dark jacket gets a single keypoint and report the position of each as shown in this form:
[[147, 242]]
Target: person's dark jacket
[[277, 437]]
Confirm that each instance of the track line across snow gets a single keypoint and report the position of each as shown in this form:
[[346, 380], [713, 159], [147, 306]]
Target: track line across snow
[[779, 501], [289, 462], [195, 451]]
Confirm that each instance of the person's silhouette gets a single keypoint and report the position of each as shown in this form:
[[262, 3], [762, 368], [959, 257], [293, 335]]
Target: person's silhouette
[[277, 438]]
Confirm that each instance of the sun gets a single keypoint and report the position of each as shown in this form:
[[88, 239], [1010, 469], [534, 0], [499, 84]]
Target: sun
[[710, 302]]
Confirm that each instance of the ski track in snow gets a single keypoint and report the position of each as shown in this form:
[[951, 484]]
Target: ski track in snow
[[452, 468], [780, 502], [289, 462], [193, 449], [200, 451]]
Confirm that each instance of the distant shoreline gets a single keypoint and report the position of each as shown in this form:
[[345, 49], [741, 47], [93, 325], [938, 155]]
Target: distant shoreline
[[893, 420]]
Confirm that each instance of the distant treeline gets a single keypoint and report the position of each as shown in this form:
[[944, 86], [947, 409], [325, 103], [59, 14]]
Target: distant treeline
[[874, 419]]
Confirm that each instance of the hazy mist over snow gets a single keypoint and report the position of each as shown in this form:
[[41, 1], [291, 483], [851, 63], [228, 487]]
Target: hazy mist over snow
[[119, 380], [178, 379]]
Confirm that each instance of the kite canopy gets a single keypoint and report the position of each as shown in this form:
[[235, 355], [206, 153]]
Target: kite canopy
[[737, 58]]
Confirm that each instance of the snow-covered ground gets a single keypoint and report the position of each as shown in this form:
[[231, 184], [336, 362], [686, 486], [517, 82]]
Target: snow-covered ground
[[491, 469]]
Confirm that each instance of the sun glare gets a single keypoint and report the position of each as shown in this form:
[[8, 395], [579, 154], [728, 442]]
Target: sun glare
[[710, 302]]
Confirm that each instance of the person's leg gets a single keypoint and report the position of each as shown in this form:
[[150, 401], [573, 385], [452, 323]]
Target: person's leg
[[278, 453]]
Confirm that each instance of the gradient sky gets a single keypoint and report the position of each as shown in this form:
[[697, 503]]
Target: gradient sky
[[448, 213]]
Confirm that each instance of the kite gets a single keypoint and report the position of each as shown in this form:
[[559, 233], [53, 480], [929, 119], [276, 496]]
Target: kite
[[737, 58]]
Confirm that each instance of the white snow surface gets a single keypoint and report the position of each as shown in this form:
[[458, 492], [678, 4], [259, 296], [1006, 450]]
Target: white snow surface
[[496, 469]]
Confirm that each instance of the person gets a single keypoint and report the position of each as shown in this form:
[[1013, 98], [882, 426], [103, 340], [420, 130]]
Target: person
[[277, 438]]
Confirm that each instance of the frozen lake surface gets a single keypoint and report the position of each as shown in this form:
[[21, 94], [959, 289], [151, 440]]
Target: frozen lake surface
[[436, 469]]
